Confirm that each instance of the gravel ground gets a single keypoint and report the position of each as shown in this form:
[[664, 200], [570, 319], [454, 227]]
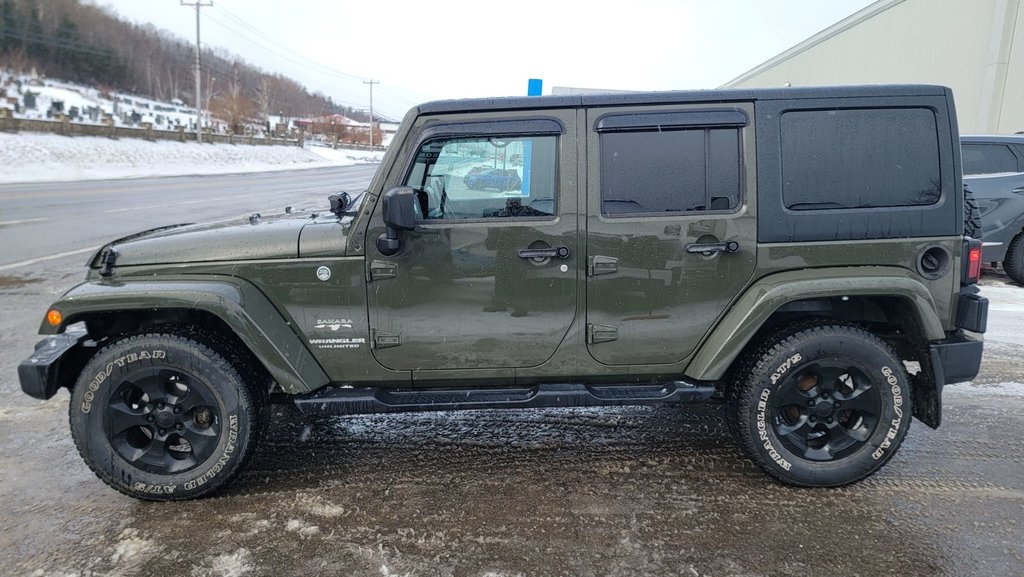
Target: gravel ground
[[622, 491]]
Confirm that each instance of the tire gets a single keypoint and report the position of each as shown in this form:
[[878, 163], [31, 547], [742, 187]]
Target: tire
[[165, 417], [972, 215], [1013, 262], [820, 405]]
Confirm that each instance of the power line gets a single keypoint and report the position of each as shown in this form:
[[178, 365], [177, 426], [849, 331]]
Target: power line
[[283, 56], [303, 59], [167, 58]]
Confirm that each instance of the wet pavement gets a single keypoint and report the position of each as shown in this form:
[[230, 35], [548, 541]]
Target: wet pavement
[[622, 491], [619, 491]]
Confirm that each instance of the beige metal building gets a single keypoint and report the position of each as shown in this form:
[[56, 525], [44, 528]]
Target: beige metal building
[[976, 47]]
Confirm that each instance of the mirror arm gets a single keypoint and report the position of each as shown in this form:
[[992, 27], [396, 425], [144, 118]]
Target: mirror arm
[[388, 243]]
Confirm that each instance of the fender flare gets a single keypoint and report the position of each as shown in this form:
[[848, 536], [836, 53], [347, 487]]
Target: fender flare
[[749, 313], [243, 307]]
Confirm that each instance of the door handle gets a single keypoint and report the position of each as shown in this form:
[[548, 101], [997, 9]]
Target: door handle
[[713, 247], [542, 253]]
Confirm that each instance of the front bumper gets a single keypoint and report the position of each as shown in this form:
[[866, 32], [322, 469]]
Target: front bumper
[[40, 373]]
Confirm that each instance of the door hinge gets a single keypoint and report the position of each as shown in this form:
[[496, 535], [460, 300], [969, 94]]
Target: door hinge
[[380, 270], [598, 265], [384, 339], [601, 333]]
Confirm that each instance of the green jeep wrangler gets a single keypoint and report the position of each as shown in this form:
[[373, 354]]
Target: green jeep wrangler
[[798, 254]]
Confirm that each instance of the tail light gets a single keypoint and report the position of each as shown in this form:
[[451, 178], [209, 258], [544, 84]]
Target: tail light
[[972, 262]]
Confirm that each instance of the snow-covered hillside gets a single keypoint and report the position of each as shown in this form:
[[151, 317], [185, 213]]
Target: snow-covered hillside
[[29, 157], [40, 98]]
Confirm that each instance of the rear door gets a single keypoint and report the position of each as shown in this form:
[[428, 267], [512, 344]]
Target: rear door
[[670, 229]]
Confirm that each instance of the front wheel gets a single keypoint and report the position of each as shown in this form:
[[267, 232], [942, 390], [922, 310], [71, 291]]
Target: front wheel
[[164, 417], [821, 406]]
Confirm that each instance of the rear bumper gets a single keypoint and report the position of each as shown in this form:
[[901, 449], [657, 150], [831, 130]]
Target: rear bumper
[[955, 359], [972, 312], [39, 373]]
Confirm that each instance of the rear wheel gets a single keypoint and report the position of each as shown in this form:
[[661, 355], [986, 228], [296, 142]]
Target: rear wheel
[[165, 417], [821, 406]]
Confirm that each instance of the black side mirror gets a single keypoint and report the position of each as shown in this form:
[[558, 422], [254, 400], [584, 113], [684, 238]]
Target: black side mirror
[[398, 206]]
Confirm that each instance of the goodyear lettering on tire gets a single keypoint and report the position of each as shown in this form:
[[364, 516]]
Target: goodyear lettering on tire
[[119, 362], [897, 401]]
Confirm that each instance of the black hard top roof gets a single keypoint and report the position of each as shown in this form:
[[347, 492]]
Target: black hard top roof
[[675, 97]]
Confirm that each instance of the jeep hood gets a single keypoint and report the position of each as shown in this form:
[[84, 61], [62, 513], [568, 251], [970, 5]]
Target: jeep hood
[[245, 239]]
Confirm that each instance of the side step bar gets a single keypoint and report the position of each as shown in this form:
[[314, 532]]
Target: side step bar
[[363, 400]]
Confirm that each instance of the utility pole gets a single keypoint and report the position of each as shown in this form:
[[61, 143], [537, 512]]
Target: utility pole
[[371, 82], [198, 4]]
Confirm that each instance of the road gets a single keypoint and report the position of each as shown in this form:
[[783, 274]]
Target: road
[[588, 492], [47, 219]]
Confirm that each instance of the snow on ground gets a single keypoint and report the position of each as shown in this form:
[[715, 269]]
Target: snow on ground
[[1004, 298], [30, 157]]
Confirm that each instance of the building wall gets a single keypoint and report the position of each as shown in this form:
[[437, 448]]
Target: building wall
[[976, 47]]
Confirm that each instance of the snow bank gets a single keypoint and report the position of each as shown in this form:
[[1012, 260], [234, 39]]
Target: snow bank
[[30, 157]]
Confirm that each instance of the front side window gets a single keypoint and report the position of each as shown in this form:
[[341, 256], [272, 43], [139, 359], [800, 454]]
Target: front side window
[[860, 158], [988, 159], [485, 177], [671, 171]]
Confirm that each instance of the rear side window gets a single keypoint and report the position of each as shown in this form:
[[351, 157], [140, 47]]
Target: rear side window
[[671, 171], [859, 158], [988, 159]]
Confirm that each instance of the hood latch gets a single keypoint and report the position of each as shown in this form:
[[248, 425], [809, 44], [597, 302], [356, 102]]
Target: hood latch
[[107, 260]]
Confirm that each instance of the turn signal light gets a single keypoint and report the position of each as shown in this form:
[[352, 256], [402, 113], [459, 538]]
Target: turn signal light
[[54, 317]]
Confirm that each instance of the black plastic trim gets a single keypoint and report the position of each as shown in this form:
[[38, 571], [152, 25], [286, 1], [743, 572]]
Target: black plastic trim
[[956, 359], [717, 118], [510, 127], [38, 373], [363, 400], [972, 313]]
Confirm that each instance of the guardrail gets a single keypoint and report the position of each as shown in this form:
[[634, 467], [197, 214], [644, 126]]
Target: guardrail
[[109, 129]]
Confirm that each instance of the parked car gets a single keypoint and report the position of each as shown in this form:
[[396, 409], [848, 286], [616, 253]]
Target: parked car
[[693, 262], [994, 171], [499, 178], [473, 172]]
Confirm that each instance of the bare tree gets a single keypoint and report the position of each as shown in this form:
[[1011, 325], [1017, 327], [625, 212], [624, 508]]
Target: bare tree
[[234, 107]]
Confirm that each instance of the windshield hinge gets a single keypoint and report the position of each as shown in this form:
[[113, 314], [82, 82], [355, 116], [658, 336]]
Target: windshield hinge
[[384, 339], [380, 270], [601, 333], [599, 265]]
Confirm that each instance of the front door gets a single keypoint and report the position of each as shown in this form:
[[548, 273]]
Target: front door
[[670, 228], [488, 278]]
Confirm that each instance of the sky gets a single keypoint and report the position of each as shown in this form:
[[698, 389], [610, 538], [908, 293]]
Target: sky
[[421, 51]]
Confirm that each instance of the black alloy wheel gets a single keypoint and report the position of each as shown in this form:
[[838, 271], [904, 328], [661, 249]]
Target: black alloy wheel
[[820, 403], [163, 420], [168, 415], [826, 411]]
